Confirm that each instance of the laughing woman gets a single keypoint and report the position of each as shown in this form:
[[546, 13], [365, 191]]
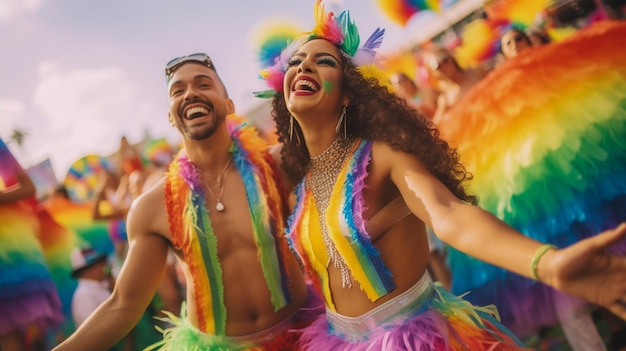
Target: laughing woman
[[371, 175]]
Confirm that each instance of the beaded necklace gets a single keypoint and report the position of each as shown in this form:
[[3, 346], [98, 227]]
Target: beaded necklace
[[325, 168]]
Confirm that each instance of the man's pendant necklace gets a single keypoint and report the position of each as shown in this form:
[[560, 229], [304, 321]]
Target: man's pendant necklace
[[219, 206]]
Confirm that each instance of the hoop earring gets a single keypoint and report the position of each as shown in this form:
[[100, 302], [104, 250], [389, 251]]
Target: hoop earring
[[343, 119]]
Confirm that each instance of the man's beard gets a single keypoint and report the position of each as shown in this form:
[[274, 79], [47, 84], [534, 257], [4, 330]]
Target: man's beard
[[207, 131]]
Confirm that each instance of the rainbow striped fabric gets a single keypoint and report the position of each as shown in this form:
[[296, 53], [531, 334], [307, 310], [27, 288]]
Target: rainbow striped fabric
[[352, 241]]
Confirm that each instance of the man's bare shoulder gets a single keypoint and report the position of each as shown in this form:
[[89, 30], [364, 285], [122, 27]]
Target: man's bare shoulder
[[153, 197], [148, 213]]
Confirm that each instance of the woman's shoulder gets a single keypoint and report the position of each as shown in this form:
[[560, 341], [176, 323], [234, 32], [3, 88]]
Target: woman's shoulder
[[392, 156]]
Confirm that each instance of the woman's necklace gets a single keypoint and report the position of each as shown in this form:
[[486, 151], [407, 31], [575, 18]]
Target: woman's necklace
[[325, 169], [219, 206]]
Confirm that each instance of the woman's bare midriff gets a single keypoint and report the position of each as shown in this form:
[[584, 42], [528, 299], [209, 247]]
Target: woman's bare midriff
[[407, 262]]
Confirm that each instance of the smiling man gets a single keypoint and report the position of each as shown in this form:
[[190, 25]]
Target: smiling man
[[221, 208]]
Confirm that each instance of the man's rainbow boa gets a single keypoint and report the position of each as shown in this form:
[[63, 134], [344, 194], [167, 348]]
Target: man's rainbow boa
[[192, 232]]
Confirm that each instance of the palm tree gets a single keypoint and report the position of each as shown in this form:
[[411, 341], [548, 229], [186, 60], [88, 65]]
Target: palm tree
[[18, 136]]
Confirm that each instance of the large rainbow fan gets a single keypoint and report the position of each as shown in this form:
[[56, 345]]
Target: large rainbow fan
[[401, 11], [83, 175], [545, 136]]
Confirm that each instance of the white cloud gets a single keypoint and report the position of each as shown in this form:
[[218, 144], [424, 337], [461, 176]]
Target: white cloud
[[86, 111], [14, 9]]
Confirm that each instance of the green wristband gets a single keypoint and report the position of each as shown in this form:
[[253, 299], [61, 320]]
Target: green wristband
[[537, 256]]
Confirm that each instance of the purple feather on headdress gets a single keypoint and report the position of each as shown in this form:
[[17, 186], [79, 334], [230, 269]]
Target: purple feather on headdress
[[367, 53]]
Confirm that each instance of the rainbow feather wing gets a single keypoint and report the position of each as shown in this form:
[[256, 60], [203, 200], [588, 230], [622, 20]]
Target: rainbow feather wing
[[545, 137]]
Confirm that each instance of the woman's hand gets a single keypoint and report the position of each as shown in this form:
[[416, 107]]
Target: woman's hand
[[587, 270]]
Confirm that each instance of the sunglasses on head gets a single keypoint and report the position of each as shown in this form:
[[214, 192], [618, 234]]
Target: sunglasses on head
[[199, 57]]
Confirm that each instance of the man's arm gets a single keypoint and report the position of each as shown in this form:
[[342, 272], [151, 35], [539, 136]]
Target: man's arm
[[137, 282]]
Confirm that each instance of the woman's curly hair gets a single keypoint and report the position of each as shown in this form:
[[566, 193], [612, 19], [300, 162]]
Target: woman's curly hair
[[372, 107]]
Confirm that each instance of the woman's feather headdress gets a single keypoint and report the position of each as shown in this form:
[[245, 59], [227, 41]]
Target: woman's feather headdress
[[339, 30]]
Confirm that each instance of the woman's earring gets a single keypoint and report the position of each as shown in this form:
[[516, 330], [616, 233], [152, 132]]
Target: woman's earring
[[290, 127], [342, 118], [292, 130]]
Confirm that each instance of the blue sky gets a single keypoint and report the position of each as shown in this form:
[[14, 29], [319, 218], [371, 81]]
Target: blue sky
[[77, 74]]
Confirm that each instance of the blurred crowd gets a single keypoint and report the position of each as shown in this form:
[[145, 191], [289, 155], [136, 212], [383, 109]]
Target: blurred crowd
[[85, 259]]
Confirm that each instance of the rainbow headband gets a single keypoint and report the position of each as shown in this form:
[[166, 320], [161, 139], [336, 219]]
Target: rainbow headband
[[341, 31]]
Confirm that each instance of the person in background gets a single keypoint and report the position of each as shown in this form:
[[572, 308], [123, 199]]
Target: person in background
[[423, 99], [538, 37], [130, 158], [95, 282], [371, 177], [453, 81], [406, 88], [514, 41], [111, 203], [28, 296]]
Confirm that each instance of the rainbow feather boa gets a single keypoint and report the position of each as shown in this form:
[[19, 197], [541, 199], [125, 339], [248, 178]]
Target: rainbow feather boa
[[191, 226], [344, 211], [545, 136]]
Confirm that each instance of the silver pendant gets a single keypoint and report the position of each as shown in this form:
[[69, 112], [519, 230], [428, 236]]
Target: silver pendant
[[219, 206]]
